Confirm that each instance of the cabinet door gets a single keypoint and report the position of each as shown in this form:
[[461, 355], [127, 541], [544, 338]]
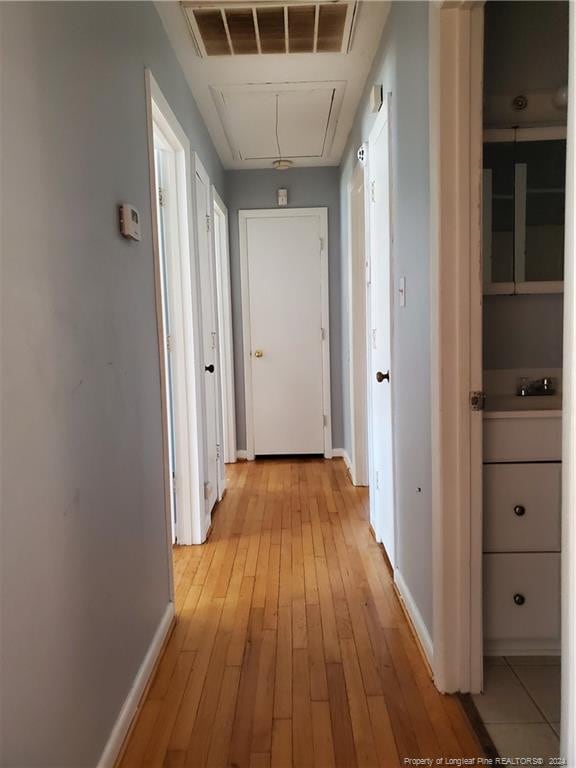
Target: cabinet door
[[498, 214], [540, 201], [522, 507]]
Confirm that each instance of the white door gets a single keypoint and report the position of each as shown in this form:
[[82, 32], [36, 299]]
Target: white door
[[380, 374], [286, 330], [210, 365]]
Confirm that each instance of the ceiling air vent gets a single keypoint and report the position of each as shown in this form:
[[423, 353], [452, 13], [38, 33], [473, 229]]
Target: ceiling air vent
[[235, 29]]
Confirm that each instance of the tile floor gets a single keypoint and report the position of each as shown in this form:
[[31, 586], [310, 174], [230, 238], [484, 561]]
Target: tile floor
[[520, 706]]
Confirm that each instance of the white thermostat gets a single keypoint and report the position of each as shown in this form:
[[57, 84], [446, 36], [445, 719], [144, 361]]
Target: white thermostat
[[282, 198], [129, 222]]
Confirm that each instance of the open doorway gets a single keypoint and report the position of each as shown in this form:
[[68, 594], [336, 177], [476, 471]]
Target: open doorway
[[170, 164], [524, 181]]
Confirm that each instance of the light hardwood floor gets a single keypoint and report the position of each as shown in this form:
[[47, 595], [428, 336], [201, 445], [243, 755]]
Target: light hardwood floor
[[291, 648]]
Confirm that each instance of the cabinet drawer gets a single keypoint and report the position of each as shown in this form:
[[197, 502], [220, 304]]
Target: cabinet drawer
[[522, 438], [522, 507], [533, 577]]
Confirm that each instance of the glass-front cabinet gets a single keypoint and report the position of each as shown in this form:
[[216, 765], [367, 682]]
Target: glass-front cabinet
[[523, 211]]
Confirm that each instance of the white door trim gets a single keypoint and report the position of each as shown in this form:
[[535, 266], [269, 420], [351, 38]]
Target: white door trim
[[225, 337], [456, 52], [185, 338], [358, 345], [243, 217], [568, 719]]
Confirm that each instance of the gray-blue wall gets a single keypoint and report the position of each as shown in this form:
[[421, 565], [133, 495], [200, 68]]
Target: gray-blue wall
[[401, 65], [85, 576], [307, 188], [523, 331]]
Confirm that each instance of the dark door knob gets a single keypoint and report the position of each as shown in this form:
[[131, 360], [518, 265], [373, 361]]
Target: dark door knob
[[380, 377], [519, 599], [209, 368], [519, 510]]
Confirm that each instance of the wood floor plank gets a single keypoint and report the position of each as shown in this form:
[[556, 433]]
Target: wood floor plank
[[282, 744], [291, 648], [303, 755], [283, 682], [383, 733], [322, 731], [359, 714], [221, 730], [160, 735], [342, 735]]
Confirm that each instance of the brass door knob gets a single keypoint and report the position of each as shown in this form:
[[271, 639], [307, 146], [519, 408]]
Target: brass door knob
[[258, 353]]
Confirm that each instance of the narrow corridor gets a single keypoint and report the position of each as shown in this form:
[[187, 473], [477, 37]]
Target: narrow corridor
[[291, 647]]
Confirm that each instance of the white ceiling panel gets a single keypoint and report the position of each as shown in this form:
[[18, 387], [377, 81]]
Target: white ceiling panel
[[268, 121]]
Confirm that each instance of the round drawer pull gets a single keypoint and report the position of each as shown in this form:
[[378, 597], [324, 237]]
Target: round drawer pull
[[519, 510], [519, 599]]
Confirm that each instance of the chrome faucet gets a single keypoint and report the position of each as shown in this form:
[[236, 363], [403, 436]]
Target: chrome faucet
[[529, 387]]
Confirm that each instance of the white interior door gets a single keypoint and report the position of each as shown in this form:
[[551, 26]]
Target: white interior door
[[286, 330], [380, 342], [211, 368]]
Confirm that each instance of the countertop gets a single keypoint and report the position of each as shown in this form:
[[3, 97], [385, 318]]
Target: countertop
[[513, 405]]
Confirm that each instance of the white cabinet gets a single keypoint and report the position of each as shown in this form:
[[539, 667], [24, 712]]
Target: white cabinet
[[522, 603], [522, 537], [522, 437], [522, 507], [523, 210]]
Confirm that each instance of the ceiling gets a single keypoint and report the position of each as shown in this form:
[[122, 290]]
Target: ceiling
[[297, 105]]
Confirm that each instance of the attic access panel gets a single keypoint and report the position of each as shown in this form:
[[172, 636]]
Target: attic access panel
[[219, 29], [271, 120]]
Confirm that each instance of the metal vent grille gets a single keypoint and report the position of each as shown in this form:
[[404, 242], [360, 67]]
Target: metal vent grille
[[265, 28]]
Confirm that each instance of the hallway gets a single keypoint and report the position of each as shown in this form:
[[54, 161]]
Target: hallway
[[291, 647]]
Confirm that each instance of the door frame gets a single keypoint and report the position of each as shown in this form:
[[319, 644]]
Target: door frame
[[568, 714], [225, 330], [185, 337], [456, 82], [243, 217], [358, 322]]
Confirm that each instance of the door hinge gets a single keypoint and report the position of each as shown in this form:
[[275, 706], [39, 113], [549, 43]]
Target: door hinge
[[161, 197], [174, 481], [323, 333], [477, 400], [325, 420], [321, 244], [169, 343], [207, 490], [208, 222], [373, 191]]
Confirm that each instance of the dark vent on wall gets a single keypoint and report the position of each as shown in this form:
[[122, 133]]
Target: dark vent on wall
[[224, 30]]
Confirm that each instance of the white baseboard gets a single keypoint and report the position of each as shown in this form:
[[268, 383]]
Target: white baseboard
[[522, 648], [130, 706], [241, 454], [415, 616], [341, 453]]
